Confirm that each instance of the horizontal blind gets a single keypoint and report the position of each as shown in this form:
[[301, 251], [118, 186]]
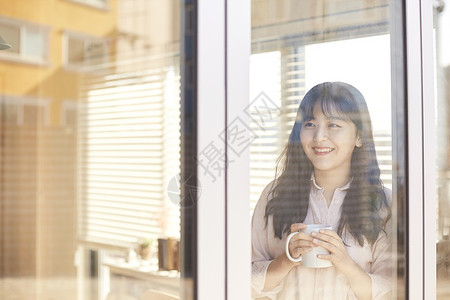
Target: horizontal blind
[[56, 175], [285, 88], [129, 149], [383, 147], [18, 197], [265, 147]]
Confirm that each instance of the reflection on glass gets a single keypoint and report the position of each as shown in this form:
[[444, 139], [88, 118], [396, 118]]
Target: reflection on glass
[[295, 46], [90, 145], [442, 47]]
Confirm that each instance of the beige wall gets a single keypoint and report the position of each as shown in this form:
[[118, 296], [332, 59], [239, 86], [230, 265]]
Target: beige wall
[[53, 82]]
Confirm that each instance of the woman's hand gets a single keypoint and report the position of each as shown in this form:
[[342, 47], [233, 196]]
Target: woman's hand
[[359, 280], [282, 265], [300, 243], [331, 241]]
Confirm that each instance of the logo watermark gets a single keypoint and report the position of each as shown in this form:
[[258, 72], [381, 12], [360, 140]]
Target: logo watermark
[[174, 188], [264, 114]]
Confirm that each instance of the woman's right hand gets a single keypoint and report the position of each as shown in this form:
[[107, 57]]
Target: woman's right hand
[[282, 265], [300, 243]]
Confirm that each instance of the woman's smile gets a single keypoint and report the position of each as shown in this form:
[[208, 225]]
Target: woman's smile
[[322, 150]]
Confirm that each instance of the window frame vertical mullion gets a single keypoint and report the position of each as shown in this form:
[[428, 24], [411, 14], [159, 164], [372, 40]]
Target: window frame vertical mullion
[[421, 203], [238, 50], [414, 229], [429, 155], [210, 125]]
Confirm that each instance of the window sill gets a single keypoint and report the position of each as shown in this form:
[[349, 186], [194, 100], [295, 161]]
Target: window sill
[[100, 6], [24, 60], [168, 280]]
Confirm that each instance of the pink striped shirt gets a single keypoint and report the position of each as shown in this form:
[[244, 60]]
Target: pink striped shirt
[[326, 283]]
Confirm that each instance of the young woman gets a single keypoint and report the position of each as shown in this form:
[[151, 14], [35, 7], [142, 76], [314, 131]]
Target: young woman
[[330, 176]]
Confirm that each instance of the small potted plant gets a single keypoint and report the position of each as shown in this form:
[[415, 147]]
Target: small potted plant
[[145, 248]]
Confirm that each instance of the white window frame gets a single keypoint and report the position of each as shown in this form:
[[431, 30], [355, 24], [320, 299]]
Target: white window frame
[[238, 231], [415, 166], [211, 242], [222, 72], [223, 221], [22, 57], [422, 158]]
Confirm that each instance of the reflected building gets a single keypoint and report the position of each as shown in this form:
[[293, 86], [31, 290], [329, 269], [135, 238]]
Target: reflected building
[[90, 140]]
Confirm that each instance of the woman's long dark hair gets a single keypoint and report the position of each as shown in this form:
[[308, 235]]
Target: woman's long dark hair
[[365, 199]]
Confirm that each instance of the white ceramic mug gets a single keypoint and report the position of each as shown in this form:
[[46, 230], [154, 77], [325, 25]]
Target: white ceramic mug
[[310, 258]]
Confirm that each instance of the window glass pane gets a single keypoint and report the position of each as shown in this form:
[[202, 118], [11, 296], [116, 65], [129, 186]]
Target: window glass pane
[[34, 43], [11, 34], [10, 114], [324, 57], [75, 50], [83, 52], [32, 115], [91, 154], [442, 47]]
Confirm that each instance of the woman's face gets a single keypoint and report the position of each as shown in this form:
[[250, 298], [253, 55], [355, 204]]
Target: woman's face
[[329, 142]]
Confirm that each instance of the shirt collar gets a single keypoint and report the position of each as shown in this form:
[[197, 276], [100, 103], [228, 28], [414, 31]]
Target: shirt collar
[[343, 188]]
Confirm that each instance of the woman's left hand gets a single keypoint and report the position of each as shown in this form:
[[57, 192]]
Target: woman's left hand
[[359, 280], [338, 256]]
